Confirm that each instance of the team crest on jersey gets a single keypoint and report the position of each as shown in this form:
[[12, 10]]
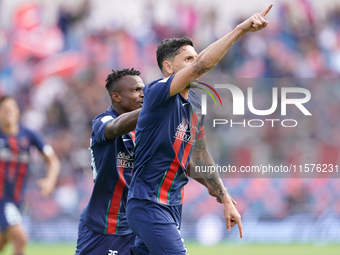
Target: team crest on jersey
[[199, 114], [124, 160], [182, 134]]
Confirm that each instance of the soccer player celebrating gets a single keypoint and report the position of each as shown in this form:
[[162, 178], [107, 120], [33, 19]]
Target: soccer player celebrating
[[169, 125], [103, 228], [15, 143]]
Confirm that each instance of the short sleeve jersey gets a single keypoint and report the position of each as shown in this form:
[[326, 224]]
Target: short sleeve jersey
[[112, 163], [14, 161], [166, 132]]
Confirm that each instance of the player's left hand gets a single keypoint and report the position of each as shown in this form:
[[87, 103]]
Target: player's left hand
[[46, 186], [213, 193], [232, 216], [256, 22]]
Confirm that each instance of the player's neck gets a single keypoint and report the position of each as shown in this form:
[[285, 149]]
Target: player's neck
[[118, 110], [185, 93], [10, 129]]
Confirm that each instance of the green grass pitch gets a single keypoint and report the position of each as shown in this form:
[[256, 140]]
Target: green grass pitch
[[196, 249]]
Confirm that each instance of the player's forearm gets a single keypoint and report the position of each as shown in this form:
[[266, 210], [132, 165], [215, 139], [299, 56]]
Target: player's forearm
[[209, 57], [201, 157], [124, 124], [53, 169], [212, 179], [47, 184], [205, 61], [200, 179]]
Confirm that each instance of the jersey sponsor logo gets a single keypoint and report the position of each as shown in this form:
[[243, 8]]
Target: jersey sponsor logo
[[106, 118], [125, 160], [111, 252], [7, 155], [181, 133]]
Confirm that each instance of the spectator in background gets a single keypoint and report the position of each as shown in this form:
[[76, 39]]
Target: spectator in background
[[15, 143]]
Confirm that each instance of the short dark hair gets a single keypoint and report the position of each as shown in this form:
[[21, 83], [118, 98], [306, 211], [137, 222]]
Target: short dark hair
[[4, 98], [115, 76], [169, 48]]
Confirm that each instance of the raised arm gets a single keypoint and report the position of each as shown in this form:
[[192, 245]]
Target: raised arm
[[125, 123], [209, 57], [201, 157]]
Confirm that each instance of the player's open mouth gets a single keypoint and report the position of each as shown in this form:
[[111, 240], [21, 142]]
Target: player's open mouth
[[141, 102]]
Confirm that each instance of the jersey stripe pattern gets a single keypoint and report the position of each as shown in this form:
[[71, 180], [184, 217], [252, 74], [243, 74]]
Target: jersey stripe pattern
[[14, 161], [112, 163], [113, 215], [166, 132]]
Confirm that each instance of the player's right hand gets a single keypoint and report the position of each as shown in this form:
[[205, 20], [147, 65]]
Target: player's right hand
[[232, 217], [256, 22]]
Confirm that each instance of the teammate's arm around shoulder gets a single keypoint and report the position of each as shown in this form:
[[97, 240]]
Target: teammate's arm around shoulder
[[209, 57], [123, 124]]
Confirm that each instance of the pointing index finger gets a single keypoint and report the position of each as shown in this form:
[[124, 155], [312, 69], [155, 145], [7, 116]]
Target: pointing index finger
[[265, 12], [240, 227], [228, 224]]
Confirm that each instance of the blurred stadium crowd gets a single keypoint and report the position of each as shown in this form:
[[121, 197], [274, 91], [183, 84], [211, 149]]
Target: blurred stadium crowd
[[57, 72]]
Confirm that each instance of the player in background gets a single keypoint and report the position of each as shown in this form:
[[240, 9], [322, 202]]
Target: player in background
[[15, 143], [103, 227], [169, 124]]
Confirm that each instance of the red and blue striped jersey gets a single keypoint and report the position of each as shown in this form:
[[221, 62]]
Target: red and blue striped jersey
[[112, 163], [14, 161], [166, 132]]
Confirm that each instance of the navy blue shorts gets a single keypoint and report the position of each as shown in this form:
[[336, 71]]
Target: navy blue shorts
[[9, 215], [156, 226], [93, 243]]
